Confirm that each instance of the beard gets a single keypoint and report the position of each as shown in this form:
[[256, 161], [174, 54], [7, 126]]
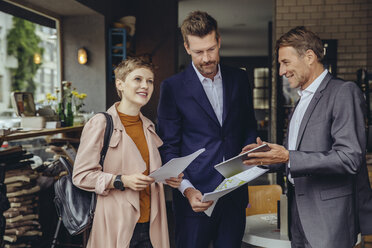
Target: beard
[[209, 68]]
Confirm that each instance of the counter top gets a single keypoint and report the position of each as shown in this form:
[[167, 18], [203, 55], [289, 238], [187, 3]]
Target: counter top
[[35, 133]]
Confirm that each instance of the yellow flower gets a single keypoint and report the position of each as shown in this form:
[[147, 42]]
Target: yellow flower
[[78, 99], [81, 96], [50, 98]]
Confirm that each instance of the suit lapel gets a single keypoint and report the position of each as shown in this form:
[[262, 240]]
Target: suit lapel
[[317, 95], [227, 91], [197, 91]]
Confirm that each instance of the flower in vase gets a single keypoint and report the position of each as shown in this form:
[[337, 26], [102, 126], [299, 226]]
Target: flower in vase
[[78, 100], [67, 91], [50, 98], [50, 101]]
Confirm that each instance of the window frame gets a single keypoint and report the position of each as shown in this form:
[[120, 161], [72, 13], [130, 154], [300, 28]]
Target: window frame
[[53, 17]]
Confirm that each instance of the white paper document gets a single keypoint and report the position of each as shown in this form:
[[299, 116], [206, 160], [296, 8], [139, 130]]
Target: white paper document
[[230, 184], [174, 167]]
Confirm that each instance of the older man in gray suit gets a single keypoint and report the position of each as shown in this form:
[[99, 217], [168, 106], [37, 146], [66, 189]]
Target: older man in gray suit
[[325, 149]]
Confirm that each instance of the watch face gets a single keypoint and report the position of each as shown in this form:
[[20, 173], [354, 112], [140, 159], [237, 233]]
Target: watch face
[[118, 184]]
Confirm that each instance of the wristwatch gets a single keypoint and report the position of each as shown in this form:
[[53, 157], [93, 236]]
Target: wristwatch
[[118, 184]]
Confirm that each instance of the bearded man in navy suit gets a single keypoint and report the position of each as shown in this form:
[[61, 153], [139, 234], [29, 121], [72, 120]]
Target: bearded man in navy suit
[[206, 106]]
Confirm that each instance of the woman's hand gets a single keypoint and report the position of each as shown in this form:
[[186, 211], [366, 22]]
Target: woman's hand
[[174, 182], [137, 181]]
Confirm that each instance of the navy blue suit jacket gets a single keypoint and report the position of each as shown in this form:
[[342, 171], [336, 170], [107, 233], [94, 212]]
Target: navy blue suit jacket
[[187, 122]]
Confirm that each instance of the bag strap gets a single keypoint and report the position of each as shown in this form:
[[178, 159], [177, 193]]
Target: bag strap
[[107, 137], [106, 141]]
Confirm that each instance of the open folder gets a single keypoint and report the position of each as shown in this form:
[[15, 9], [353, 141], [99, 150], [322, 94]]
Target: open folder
[[174, 167], [236, 174]]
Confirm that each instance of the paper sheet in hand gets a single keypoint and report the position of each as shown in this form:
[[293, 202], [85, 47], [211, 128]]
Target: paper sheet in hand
[[174, 167], [230, 184], [235, 165]]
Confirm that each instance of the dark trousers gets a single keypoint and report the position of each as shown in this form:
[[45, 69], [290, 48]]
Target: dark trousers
[[141, 236], [225, 228], [298, 237]]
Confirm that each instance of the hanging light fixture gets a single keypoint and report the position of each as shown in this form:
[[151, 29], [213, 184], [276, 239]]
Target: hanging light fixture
[[82, 56]]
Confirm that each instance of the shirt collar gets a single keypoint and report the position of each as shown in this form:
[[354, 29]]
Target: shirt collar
[[314, 85], [202, 78]]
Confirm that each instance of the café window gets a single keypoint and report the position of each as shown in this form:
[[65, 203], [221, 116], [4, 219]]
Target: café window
[[1, 89], [261, 94], [30, 45]]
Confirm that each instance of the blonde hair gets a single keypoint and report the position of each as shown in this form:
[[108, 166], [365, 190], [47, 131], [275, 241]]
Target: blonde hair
[[130, 64]]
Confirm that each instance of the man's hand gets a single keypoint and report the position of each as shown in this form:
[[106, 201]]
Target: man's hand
[[174, 182], [194, 196], [277, 154], [253, 145], [136, 182]]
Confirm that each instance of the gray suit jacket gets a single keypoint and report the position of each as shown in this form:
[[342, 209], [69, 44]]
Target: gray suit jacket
[[330, 153]]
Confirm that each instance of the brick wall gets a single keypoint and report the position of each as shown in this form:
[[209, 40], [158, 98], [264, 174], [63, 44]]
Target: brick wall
[[348, 21]]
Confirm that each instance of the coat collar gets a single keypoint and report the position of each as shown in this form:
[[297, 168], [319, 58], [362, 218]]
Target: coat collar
[[117, 122], [194, 86], [196, 89], [227, 92], [201, 77], [318, 94]]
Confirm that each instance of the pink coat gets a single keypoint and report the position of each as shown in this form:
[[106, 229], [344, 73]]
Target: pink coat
[[117, 212]]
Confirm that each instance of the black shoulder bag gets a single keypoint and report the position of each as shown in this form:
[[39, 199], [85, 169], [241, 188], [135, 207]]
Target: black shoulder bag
[[76, 206]]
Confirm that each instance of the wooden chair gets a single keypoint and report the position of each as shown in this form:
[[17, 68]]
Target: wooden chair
[[263, 199]]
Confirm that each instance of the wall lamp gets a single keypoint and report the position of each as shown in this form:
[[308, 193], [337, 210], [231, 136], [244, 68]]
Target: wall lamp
[[82, 56], [37, 58]]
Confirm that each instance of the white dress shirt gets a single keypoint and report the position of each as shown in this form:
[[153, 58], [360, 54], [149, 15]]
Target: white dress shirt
[[214, 91], [305, 98]]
